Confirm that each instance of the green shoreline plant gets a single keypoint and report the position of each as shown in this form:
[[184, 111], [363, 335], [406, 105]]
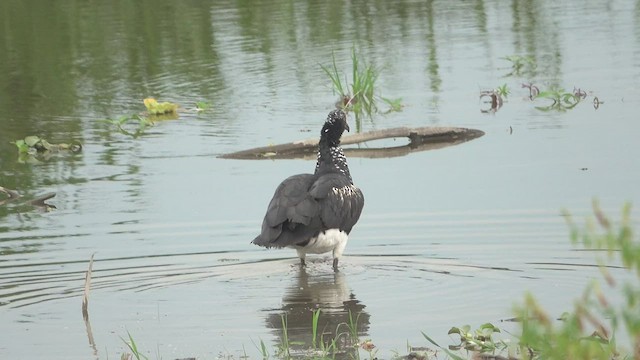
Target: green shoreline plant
[[589, 330]]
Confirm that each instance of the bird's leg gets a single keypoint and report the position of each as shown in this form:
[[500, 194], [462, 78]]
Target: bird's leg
[[302, 255], [335, 264]]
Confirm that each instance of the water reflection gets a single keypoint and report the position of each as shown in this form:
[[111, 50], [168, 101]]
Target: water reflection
[[329, 293]]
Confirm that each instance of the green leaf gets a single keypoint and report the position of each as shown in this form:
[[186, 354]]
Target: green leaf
[[22, 146], [489, 326], [202, 105], [451, 355], [32, 140], [547, 94]]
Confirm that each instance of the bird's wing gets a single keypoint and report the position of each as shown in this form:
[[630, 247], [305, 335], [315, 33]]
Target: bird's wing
[[340, 202], [292, 215]]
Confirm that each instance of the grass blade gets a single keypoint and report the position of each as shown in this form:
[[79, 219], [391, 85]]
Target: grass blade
[[449, 353]]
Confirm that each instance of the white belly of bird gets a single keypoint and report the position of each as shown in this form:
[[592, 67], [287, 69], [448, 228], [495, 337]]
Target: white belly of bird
[[330, 240]]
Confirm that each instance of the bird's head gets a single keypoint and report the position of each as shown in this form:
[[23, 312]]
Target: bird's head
[[335, 125]]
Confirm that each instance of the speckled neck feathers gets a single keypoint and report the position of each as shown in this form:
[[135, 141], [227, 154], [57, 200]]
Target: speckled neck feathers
[[330, 155]]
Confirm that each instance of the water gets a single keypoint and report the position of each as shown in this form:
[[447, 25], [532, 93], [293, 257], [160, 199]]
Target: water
[[447, 237]]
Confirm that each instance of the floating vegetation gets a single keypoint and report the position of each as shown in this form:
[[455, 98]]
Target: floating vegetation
[[135, 125], [562, 100], [35, 144], [163, 108], [358, 96], [33, 148], [521, 65], [202, 106], [123, 124]]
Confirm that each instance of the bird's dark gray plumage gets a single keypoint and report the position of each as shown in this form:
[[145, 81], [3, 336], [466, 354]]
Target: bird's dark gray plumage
[[314, 213]]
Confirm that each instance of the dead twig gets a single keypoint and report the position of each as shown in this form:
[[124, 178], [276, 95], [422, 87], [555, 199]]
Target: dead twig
[[87, 288]]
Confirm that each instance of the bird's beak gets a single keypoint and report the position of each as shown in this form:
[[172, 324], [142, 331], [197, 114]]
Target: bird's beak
[[346, 126]]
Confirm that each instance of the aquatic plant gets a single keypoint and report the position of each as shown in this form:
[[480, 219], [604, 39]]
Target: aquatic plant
[[122, 124], [263, 350], [134, 350], [155, 111], [533, 90], [503, 90], [202, 106], [156, 108], [562, 100], [319, 346], [314, 328], [35, 144], [586, 332], [474, 341], [353, 327], [284, 348], [359, 96], [480, 339], [521, 65]]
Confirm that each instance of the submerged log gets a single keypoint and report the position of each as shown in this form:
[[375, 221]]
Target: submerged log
[[420, 139]]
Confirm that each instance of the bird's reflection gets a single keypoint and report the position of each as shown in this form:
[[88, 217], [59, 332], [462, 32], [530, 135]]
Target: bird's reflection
[[340, 313]]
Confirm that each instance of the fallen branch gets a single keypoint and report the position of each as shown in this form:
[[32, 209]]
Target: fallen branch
[[420, 139]]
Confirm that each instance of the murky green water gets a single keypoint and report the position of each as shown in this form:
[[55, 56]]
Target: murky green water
[[447, 237]]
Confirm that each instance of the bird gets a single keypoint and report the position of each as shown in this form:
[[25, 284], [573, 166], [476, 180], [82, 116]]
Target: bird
[[314, 213]]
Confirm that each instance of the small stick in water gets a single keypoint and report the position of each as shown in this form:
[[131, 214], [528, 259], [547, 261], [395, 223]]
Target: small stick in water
[[87, 287]]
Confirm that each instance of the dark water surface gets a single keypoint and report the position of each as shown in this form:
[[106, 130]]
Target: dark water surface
[[448, 237]]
